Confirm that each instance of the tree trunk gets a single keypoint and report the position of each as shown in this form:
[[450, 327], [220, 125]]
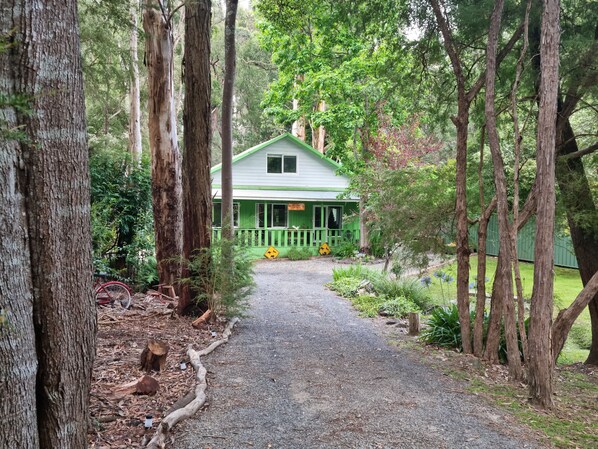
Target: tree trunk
[[135, 107], [461, 122], [463, 250], [540, 363], [480, 308], [318, 133], [227, 121], [197, 191], [578, 199], [500, 184], [54, 278], [166, 163], [496, 313], [298, 127], [18, 360]]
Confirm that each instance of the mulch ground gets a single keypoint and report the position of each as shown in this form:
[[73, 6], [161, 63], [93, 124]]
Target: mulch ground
[[117, 420]]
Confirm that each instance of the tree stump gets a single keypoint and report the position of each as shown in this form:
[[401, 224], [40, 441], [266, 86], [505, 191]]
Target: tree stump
[[153, 357], [413, 323]]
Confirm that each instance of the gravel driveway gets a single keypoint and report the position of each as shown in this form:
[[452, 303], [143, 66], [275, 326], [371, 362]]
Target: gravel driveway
[[304, 371]]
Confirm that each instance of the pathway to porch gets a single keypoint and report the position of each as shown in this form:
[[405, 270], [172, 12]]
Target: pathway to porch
[[304, 371]]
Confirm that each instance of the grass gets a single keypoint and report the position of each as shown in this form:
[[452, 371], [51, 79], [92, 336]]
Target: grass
[[574, 421], [567, 285]]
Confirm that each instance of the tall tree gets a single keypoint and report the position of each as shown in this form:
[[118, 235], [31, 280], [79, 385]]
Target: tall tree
[[197, 192], [47, 325], [134, 101], [540, 362], [227, 119], [166, 160], [505, 278]]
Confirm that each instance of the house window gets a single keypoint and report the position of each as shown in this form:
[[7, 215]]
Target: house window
[[276, 216], [278, 163], [217, 215], [330, 217]]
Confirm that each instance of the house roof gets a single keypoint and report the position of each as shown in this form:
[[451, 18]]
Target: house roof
[[316, 177], [287, 135]]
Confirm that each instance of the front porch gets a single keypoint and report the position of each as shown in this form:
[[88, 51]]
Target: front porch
[[257, 241]]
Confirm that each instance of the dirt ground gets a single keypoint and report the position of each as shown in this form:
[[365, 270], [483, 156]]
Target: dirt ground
[[117, 420]]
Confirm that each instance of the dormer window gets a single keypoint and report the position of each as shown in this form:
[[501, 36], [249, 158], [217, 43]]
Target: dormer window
[[279, 163]]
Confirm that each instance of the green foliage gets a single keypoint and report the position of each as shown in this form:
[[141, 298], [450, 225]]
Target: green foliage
[[398, 307], [223, 286], [345, 250], [402, 294], [410, 208], [367, 305], [121, 217], [297, 253], [346, 286], [443, 329]]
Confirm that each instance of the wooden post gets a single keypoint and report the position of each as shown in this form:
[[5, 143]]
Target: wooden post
[[413, 323]]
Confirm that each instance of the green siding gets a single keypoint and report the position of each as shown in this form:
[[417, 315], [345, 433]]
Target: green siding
[[564, 255]]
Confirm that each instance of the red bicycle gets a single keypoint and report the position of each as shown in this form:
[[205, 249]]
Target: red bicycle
[[111, 293]]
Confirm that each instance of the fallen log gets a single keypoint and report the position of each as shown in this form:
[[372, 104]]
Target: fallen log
[[203, 321], [159, 439], [146, 385]]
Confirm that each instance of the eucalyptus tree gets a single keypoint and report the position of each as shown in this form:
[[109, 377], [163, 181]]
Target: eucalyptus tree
[[165, 155], [47, 309]]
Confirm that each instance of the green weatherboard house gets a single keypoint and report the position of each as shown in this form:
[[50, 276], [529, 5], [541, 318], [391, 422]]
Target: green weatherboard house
[[285, 195]]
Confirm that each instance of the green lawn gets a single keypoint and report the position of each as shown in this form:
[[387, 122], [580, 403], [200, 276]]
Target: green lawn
[[567, 284]]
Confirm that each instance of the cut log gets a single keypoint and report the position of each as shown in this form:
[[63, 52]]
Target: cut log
[[203, 321], [145, 385], [413, 323], [153, 357]]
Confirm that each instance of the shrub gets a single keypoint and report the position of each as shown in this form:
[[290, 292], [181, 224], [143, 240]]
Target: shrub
[[367, 305], [356, 271], [410, 289], [345, 250], [296, 253], [444, 328], [346, 286], [225, 288], [398, 307]]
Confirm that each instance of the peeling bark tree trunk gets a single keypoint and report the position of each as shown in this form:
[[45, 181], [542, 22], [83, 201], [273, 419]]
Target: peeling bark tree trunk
[[45, 249], [318, 133], [540, 363], [197, 197], [227, 124], [135, 107], [298, 127], [166, 164], [500, 184]]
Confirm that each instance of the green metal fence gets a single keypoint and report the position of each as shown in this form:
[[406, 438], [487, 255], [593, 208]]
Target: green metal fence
[[564, 254]]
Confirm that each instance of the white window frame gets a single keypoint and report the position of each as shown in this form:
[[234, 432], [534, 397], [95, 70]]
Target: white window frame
[[282, 156]]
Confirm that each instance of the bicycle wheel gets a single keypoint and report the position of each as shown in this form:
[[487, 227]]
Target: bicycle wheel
[[119, 293]]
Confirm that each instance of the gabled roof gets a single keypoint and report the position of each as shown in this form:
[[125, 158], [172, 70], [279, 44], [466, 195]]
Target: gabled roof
[[288, 136]]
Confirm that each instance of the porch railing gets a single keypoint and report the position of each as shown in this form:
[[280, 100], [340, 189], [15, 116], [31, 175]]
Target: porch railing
[[287, 238]]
